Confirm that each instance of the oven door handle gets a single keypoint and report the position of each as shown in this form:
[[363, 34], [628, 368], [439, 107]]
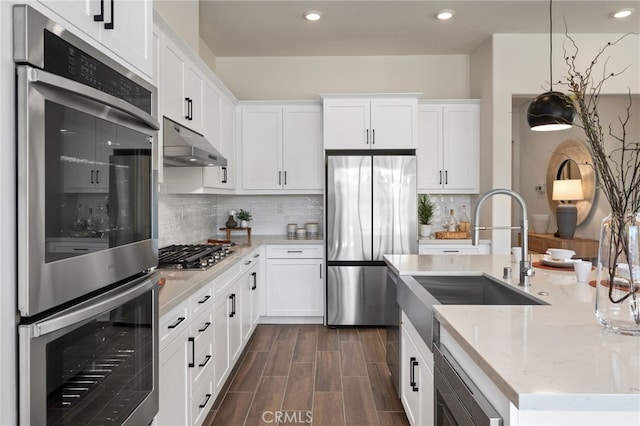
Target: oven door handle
[[35, 75], [93, 308]]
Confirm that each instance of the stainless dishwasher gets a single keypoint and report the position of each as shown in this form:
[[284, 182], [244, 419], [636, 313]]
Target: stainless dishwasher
[[457, 400]]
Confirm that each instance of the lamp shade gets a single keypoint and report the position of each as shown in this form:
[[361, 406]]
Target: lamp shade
[[551, 111], [567, 190]]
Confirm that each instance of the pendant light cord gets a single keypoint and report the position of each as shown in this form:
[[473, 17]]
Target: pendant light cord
[[551, 45]]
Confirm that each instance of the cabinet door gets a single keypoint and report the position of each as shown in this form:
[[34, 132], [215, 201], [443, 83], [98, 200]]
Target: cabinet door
[[429, 151], [347, 123], [294, 287], [193, 92], [235, 323], [224, 177], [132, 30], [302, 147], [461, 147], [173, 386], [221, 311], [256, 288], [174, 104], [262, 148], [409, 392], [393, 123], [211, 105]]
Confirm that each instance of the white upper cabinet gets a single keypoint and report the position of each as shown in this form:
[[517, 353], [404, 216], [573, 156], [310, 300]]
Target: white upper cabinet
[[281, 148], [370, 123], [448, 147], [181, 88], [122, 26]]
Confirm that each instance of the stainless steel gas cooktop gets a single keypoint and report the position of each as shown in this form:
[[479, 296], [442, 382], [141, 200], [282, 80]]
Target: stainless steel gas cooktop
[[192, 256]]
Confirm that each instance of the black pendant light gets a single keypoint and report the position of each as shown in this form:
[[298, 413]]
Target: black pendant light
[[551, 110]]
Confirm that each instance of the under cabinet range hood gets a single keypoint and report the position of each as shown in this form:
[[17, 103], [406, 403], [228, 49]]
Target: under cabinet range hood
[[185, 148]]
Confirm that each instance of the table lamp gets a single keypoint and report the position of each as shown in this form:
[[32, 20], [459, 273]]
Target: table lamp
[[567, 213]]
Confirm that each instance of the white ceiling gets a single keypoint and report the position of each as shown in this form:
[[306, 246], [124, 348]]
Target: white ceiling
[[354, 28]]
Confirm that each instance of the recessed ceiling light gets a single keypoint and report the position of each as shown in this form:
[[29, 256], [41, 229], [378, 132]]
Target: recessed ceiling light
[[623, 13], [312, 15], [443, 15]]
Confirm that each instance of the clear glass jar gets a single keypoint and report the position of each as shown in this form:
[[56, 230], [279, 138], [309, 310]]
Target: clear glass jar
[[618, 275]]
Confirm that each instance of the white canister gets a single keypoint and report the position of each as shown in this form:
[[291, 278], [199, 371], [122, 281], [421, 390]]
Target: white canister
[[301, 233], [312, 229], [291, 229]]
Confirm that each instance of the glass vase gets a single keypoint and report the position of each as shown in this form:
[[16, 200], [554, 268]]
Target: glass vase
[[618, 275]]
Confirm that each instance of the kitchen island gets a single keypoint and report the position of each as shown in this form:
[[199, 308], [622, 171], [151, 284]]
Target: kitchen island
[[542, 364]]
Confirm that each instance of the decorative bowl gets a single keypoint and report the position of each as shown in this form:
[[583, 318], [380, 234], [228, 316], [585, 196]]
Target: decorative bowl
[[560, 254]]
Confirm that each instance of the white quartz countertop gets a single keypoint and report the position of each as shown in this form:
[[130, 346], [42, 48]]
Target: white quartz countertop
[[449, 241], [179, 285], [554, 356]]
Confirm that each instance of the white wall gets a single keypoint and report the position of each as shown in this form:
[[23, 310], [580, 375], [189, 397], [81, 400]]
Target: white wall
[[303, 78], [535, 153], [520, 67]]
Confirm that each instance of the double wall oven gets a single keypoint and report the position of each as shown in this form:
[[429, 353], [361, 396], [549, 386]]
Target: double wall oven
[[87, 231]]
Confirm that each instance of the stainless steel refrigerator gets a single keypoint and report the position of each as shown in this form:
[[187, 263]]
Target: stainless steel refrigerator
[[371, 211]]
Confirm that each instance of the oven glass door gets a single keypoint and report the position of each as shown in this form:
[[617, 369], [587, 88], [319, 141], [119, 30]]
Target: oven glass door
[[86, 191], [94, 364]]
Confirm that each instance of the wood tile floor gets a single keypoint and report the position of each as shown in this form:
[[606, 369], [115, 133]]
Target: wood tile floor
[[310, 374]]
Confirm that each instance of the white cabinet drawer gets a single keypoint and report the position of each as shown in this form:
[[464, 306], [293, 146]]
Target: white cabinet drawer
[[249, 261], [454, 249], [286, 251], [202, 402], [202, 336], [202, 300], [173, 323], [222, 282]]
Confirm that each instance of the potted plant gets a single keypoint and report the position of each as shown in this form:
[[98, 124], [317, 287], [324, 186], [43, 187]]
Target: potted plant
[[425, 215], [244, 217]]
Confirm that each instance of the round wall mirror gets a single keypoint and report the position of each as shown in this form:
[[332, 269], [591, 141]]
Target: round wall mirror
[[572, 160]]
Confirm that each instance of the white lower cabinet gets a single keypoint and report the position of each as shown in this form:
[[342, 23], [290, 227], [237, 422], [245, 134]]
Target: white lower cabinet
[[416, 375], [295, 281], [202, 338]]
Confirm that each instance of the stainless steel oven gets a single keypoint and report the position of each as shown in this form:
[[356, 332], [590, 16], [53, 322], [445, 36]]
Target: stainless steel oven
[[86, 136], [94, 363], [87, 232]]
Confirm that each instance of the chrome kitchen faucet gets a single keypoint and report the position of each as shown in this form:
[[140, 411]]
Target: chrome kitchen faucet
[[526, 271]]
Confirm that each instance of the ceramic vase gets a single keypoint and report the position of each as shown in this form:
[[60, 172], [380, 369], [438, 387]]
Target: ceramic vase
[[424, 230], [231, 223], [244, 224], [618, 274]]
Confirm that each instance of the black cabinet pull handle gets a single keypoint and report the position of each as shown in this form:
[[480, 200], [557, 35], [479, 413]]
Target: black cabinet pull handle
[[207, 297], [92, 182], [367, 136], [205, 326], [320, 270], [440, 178], [177, 323], [256, 255], [224, 175], [109, 25], [206, 401], [373, 136], [248, 262], [285, 177], [233, 306], [412, 374], [279, 178], [254, 275], [193, 352], [100, 17], [446, 177], [294, 251], [206, 360], [97, 177], [188, 101]]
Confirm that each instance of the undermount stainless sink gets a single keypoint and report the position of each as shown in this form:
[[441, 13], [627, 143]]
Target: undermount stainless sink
[[473, 290]]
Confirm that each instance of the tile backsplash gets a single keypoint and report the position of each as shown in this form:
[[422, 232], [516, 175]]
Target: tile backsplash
[[186, 219], [444, 203]]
